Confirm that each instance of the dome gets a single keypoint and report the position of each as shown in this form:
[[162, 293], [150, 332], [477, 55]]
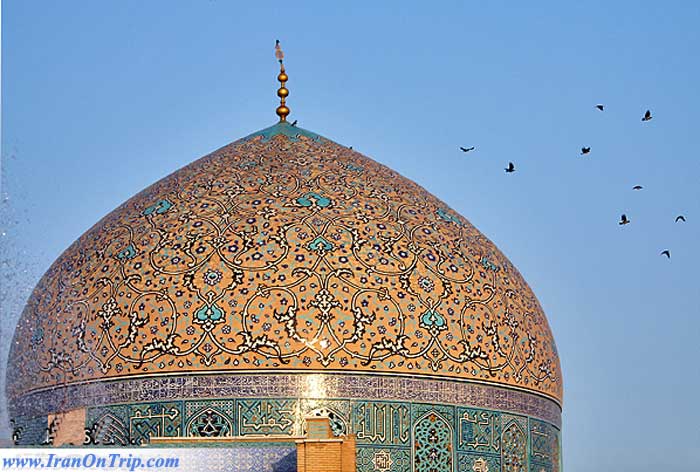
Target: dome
[[281, 253]]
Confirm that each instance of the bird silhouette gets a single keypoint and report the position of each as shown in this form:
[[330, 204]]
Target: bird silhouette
[[600, 107], [666, 253], [510, 168], [680, 218], [294, 123], [585, 150], [466, 149], [624, 220], [647, 116], [350, 147], [637, 187], [278, 51]]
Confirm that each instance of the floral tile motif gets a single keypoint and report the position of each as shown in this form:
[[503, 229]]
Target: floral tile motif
[[388, 459], [514, 445], [474, 462], [433, 449], [210, 418]]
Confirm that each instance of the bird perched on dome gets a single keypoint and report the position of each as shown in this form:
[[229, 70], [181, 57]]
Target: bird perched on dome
[[278, 51]]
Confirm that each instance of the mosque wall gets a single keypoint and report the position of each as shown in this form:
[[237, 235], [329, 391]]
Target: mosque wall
[[391, 436]]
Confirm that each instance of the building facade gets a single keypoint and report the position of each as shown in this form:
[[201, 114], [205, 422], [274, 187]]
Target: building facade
[[283, 277]]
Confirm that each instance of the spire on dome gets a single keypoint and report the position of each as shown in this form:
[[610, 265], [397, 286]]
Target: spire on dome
[[282, 110]]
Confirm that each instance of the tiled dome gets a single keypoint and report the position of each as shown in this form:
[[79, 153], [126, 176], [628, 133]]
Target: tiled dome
[[283, 252]]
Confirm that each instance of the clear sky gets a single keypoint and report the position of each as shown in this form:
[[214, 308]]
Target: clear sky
[[101, 99]]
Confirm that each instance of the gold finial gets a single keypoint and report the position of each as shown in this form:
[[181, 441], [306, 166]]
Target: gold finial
[[282, 110]]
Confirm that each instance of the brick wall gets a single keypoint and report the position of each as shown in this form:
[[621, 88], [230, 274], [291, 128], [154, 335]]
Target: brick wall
[[321, 452], [69, 428]]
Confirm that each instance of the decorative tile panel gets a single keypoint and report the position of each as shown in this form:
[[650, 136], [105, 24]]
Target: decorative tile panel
[[210, 418], [333, 385], [154, 419], [479, 430], [385, 423], [513, 446], [383, 459], [475, 462], [30, 431], [544, 447], [108, 426], [266, 416], [433, 449]]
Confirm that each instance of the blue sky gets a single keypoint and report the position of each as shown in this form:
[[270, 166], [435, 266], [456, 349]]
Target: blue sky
[[100, 99]]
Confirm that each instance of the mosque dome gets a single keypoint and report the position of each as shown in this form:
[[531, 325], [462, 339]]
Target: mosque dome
[[285, 267], [284, 251]]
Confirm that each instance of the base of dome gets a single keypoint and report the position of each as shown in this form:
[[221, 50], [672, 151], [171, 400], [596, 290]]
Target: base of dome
[[397, 423]]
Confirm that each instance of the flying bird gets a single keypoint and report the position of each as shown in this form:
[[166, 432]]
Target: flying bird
[[510, 168], [466, 149], [637, 187], [294, 123], [624, 220], [585, 150], [666, 253], [647, 116], [600, 107], [680, 218]]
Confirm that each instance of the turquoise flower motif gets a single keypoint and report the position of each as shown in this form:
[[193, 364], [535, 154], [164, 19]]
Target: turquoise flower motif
[[127, 253], [449, 217], [486, 264], [38, 336], [209, 315], [160, 207], [312, 199], [433, 322], [320, 245]]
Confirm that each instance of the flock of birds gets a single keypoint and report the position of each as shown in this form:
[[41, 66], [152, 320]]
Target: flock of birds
[[585, 150]]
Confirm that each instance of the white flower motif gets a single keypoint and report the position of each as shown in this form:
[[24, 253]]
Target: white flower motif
[[480, 465], [382, 461]]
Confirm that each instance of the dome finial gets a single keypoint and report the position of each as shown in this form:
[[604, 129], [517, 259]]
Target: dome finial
[[282, 110]]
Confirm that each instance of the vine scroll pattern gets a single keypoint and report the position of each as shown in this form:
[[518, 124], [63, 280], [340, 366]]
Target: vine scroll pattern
[[283, 251]]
